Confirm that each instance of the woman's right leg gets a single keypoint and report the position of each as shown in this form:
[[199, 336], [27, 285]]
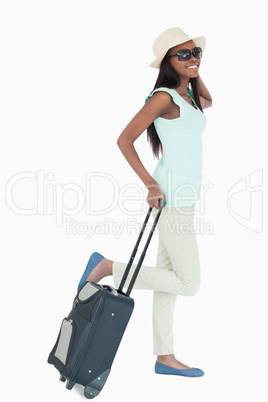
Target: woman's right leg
[[183, 276]]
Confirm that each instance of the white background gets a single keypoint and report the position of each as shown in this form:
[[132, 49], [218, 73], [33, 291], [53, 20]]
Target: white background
[[73, 73]]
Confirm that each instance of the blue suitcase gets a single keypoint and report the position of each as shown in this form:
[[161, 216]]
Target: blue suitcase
[[90, 335]]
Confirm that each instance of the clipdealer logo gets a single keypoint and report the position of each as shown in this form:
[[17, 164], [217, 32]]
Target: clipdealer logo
[[37, 193], [45, 197], [245, 201]]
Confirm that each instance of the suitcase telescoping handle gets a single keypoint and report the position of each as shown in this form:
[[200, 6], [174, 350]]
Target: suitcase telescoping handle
[[162, 204]]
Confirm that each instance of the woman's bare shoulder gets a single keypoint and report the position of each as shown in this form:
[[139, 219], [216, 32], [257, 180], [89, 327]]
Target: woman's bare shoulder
[[160, 99]]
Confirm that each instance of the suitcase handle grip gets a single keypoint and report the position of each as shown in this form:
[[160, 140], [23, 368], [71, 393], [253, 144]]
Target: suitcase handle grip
[[162, 204]]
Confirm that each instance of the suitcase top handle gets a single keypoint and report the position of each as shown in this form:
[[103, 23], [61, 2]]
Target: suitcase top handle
[[162, 204]]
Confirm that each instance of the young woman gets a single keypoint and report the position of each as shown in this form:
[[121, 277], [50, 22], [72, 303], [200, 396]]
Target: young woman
[[174, 119]]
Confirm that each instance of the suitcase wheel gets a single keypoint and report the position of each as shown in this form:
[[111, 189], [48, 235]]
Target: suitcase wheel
[[62, 379], [70, 384], [90, 392], [94, 387]]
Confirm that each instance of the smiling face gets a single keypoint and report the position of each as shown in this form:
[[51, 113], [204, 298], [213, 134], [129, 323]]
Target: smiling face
[[189, 68]]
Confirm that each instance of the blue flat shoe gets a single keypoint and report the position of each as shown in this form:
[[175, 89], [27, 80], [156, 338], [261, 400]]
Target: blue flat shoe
[[192, 372], [93, 261]]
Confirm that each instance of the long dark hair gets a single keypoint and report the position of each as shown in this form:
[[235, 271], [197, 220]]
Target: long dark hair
[[169, 78]]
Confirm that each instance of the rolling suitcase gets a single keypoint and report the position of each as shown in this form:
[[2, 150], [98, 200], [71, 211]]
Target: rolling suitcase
[[90, 336]]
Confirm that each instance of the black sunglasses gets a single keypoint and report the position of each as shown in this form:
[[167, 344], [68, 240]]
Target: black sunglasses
[[186, 54]]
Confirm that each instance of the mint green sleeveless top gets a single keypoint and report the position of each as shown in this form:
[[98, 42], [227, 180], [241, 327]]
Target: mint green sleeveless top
[[179, 171]]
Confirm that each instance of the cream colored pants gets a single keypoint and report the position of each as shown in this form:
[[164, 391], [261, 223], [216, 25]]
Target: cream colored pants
[[177, 272]]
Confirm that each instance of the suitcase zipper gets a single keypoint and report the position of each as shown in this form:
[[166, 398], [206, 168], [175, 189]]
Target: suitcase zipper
[[104, 287], [110, 288]]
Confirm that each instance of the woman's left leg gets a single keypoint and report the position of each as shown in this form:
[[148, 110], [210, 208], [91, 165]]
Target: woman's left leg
[[178, 251], [163, 309]]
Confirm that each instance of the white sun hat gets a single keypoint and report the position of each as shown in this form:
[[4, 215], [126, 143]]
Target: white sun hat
[[172, 37]]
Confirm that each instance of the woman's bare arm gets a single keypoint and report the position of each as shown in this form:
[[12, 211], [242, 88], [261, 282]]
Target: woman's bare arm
[[205, 97], [157, 105]]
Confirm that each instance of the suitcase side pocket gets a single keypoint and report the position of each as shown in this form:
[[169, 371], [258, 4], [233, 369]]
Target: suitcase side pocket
[[65, 340]]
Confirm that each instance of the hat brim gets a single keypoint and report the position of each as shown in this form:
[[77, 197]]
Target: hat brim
[[199, 41]]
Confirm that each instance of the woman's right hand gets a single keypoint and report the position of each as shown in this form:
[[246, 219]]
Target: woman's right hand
[[154, 194]]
